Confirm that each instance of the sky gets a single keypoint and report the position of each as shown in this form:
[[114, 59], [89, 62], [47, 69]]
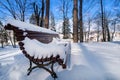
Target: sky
[[55, 8], [54, 4], [88, 9]]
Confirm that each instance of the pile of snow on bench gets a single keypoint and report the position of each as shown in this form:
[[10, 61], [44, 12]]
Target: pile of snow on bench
[[30, 27], [40, 50]]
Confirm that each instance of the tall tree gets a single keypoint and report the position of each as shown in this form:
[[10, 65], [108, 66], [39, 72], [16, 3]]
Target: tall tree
[[107, 32], [64, 8], [47, 13], [42, 14], [98, 30], [37, 11], [89, 25], [75, 21], [7, 5], [66, 28], [22, 6], [81, 20], [1, 35], [16, 8], [97, 21], [102, 20], [114, 21], [105, 22]]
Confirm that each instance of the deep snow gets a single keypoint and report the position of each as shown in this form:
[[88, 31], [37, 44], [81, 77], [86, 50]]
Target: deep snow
[[89, 61], [27, 26], [41, 50]]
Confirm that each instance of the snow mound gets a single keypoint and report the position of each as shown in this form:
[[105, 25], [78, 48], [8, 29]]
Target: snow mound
[[41, 50], [26, 26]]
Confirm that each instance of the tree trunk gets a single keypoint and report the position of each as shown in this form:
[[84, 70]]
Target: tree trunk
[[2, 41], [75, 21], [98, 31], [85, 36], [36, 12], [108, 32], [114, 24], [14, 40], [64, 35], [81, 21], [64, 17], [47, 13], [103, 29], [42, 15], [89, 29]]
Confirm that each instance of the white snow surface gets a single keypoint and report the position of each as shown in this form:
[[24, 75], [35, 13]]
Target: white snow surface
[[42, 50], [27, 26], [89, 61]]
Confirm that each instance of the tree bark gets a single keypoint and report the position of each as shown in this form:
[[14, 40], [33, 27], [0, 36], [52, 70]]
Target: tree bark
[[108, 32], [75, 21], [81, 21], [114, 24], [47, 13], [42, 15], [102, 18], [37, 13], [89, 21], [98, 31]]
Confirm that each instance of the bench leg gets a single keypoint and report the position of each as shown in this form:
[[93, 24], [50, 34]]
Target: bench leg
[[54, 75], [30, 65], [51, 70], [30, 70]]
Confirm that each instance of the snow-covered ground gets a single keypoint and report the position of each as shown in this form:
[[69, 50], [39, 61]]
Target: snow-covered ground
[[89, 61]]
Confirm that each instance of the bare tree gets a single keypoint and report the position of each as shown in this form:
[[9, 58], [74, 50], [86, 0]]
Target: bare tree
[[1, 35], [81, 19], [42, 14], [102, 20], [64, 8], [98, 30], [4, 36], [114, 24], [7, 5], [16, 8], [75, 21], [89, 25], [97, 21], [107, 32], [22, 6], [47, 13], [37, 11]]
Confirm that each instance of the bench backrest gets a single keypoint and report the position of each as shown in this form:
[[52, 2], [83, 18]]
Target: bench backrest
[[40, 36]]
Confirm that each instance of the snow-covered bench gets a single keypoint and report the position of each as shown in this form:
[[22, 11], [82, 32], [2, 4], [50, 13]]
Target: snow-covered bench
[[40, 46]]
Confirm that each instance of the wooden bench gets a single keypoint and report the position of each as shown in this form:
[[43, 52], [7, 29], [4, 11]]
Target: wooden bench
[[44, 38]]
